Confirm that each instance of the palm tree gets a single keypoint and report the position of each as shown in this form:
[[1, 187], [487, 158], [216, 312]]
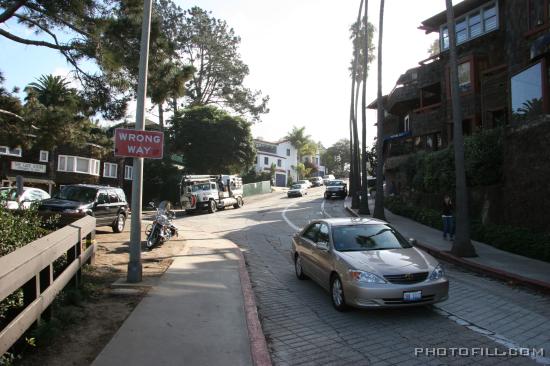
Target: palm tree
[[462, 245], [298, 139], [355, 159], [379, 200], [52, 91], [168, 82], [364, 204]]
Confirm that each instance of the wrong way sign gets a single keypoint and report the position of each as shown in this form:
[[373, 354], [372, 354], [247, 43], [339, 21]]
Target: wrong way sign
[[138, 144]]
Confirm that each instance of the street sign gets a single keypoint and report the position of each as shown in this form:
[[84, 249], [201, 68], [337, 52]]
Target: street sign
[[138, 143]]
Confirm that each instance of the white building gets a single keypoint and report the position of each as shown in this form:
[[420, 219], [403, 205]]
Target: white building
[[282, 154]]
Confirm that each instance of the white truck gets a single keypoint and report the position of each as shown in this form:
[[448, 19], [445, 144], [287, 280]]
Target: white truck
[[211, 192]]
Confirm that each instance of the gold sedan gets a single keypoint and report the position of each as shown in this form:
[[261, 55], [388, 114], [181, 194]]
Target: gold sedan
[[366, 263]]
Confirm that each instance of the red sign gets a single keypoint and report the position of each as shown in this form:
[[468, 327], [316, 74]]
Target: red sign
[[138, 144]]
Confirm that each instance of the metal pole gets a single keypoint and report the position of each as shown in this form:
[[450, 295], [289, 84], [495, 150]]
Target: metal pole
[[134, 265]]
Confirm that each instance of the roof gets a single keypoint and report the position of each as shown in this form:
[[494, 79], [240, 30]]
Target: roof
[[259, 152], [95, 186], [342, 221], [374, 103], [266, 142], [432, 24]]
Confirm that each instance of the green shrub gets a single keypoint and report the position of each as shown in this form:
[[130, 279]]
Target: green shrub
[[434, 172], [520, 241]]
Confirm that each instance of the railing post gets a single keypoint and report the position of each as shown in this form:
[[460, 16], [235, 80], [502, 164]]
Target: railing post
[[90, 240], [46, 279]]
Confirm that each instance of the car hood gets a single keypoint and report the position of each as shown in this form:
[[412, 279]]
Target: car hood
[[390, 261], [64, 204]]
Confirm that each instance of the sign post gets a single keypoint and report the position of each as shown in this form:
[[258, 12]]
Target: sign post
[[134, 265]]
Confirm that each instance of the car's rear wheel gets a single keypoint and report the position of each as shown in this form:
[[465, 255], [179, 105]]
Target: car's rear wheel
[[118, 225], [337, 293], [298, 268], [239, 203]]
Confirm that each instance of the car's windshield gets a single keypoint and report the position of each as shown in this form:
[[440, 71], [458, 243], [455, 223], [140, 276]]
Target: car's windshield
[[296, 186], [365, 237], [9, 194], [335, 183], [78, 194], [200, 187], [301, 182]]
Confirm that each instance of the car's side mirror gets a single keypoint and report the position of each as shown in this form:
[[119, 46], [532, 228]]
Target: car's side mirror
[[322, 245], [412, 241]]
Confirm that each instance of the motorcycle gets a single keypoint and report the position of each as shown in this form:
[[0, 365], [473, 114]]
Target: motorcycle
[[162, 228]]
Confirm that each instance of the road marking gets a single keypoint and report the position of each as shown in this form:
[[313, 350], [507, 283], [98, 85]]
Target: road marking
[[287, 220], [323, 209], [491, 335]]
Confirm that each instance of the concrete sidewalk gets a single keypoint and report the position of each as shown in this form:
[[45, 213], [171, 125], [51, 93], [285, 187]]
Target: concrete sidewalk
[[201, 312], [491, 261]]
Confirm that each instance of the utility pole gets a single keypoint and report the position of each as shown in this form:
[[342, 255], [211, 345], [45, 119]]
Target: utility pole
[[134, 266]]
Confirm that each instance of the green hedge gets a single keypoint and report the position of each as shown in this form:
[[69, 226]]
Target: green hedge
[[520, 241], [433, 172]]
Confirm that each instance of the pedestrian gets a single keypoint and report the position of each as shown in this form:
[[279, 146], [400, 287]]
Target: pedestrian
[[448, 219]]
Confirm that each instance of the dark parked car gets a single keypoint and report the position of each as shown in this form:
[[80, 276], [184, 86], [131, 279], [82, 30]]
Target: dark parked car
[[107, 204], [336, 188]]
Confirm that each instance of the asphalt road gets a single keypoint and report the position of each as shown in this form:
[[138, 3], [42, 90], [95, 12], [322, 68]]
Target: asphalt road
[[302, 328]]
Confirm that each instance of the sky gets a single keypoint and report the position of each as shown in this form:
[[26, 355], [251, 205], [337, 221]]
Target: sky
[[298, 52]]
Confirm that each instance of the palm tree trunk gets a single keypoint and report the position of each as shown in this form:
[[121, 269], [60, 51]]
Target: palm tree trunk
[[462, 245], [161, 117], [355, 151], [379, 200], [175, 104], [364, 204]]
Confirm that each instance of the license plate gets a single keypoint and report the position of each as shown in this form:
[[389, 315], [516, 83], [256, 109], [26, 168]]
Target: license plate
[[412, 296]]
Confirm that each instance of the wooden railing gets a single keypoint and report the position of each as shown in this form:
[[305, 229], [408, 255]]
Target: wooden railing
[[30, 268]]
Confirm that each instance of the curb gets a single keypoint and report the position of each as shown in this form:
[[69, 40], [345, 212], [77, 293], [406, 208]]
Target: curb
[[258, 345], [478, 268]]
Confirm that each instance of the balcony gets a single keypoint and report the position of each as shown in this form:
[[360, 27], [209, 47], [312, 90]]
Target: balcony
[[428, 119], [403, 98]]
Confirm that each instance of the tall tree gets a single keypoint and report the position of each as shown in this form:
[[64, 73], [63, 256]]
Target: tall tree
[[211, 47], [212, 141], [366, 57], [462, 245], [355, 158], [336, 158], [13, 127], [379, 199], [301, 141]]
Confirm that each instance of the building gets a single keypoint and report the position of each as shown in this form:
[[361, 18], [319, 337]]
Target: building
[[282, 154], [503, 59]]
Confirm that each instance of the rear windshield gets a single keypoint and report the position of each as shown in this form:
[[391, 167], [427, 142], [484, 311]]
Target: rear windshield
[[78, 194], [365, 237], [296, 186], [335, 183]]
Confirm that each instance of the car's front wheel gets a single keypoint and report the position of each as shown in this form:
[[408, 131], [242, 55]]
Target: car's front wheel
[[118, 225], [212, 207], [298, 268], [337, 293]]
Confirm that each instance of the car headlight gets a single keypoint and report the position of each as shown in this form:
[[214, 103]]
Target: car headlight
[[437, 273], [73, 210], [365, 277]]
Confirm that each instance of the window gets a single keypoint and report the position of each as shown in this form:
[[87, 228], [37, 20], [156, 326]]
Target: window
[[76, 164], [266, 160], [527, 93], [287, 152], [44, 155], [464, 76], [113, 197], [256, 160], [128, 172], [461, 31], [476, 23], [312, 232], [110, 170], [323, 234], [279, 163], [490, 18], [406, 123], [537, 15], [4, 150], [102, 198]]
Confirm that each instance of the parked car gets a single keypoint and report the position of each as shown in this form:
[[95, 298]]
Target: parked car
[[297, 190], [107, 204], [366, 263], [316, 181], [327, 178], [336, 188], [306, 182], [8, 197]]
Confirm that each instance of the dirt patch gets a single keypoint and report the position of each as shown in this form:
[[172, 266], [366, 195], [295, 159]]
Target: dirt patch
[[80, 331]]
